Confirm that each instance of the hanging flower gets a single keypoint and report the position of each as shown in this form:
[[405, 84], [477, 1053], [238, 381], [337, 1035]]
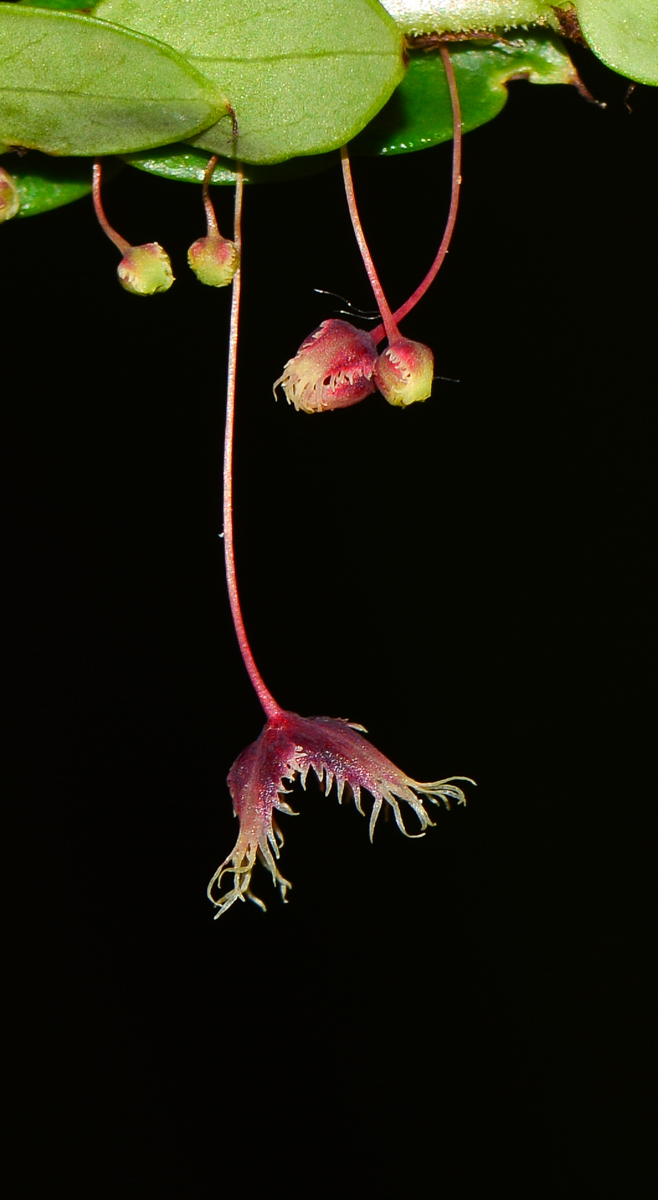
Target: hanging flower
[[288, 748], [333, 368], [404, 372], [214, 260]]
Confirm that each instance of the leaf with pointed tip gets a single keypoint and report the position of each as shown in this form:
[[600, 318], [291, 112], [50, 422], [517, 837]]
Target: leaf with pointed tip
[[420, 114], [303, 78], [72, 85]]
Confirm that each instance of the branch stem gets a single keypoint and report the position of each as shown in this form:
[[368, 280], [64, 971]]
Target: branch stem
[[269, 704]]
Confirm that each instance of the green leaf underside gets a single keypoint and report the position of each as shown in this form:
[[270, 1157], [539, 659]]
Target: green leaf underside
[[420, 114], [624, 35], [188, 165], [303, 78], [72, 85], [45, 183]]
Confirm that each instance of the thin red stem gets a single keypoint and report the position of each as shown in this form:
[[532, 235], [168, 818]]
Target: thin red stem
[[269, 704], [390, 326], [381, 331], [213, 227], [121, 244]]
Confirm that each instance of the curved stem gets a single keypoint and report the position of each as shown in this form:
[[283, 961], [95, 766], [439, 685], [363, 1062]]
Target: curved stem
[[382, 303], [211, 219], [381, 331], [269, 704], [121, 244]]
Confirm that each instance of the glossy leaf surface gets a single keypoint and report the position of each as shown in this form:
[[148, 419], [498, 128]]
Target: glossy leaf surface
[[45, 183], [72, 85], [187, 164], [624, 34], [420, 113], [303, 78]]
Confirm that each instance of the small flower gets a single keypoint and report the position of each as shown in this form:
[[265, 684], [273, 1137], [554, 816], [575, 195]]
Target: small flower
[[10, 199], [404, 372], [288, 748], [214, 260], [333, 368], [144, 270]]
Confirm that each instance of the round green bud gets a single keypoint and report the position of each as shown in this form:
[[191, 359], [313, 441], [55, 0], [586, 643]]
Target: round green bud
[[10, 199], [404, 372], [214, 260], [145, 269]]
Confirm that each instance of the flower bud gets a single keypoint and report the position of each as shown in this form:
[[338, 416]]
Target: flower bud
[[404, 372], [214, 260], [333, 368], [10, 200], [145, 269]]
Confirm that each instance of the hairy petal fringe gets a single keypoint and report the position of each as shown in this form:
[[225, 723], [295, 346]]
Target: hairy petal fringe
[[288, 748]]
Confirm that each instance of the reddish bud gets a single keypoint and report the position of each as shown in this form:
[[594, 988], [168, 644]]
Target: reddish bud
[[214, 260], [404, 372], [145, 269], [333, 368], [10, 200]]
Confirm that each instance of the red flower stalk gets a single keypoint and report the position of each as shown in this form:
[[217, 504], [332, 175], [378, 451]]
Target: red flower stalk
[[290, 746]]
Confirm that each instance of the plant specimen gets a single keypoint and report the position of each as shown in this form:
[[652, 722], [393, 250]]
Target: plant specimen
[[186, 110]]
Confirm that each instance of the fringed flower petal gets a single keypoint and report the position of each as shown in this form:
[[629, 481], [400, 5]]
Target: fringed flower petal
[[333, 368], [288, 748]]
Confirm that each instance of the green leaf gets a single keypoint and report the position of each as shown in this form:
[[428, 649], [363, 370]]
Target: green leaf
[[188, 165], [461, 16], [302, 77], [623, 34], [420, 114], [58, 5], [73, 85], [45, 183]]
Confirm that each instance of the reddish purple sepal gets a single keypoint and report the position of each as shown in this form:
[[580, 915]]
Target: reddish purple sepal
[[289, 747]]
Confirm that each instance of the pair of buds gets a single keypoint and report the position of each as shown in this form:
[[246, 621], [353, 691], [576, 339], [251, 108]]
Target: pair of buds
[[145, 270], [338, 365]]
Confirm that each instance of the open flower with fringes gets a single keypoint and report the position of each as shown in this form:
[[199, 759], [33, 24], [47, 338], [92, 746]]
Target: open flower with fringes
[[288, 748]]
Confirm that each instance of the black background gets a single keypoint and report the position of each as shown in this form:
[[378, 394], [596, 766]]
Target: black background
[[468, 579]]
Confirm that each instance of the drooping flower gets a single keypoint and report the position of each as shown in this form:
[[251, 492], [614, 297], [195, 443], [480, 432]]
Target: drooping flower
[[145, 270], [404, 372], [288, 748], [214, 260], [333, 368]]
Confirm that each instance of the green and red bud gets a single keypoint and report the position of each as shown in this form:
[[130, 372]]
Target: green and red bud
[[144, 270], [10, 199], [404, 372], [333, 368], [214, 260]]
